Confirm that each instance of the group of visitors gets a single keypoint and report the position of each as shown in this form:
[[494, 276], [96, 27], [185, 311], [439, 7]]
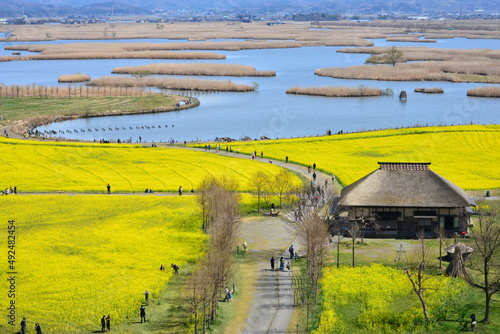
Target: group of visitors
[[38, 329], [148, 191], [105, 323], [228, 296], [9, 190], [281, 264]]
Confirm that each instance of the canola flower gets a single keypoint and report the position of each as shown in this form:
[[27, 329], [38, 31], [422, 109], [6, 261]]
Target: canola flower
[[79, 257], [466, 155], [80, 167], [387, 302]]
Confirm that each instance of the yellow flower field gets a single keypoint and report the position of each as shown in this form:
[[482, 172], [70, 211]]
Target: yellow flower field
[[79, 167], [79, 257], [468, 156], [380, 299]]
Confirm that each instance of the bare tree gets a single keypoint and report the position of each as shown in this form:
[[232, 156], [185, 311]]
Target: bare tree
[[313, 232], [337, 229], [260, 183], [366, 222], [354, 232], [440, 233], [485, 273], [196, 294], [221, 208], [419, 289], [283, 183]]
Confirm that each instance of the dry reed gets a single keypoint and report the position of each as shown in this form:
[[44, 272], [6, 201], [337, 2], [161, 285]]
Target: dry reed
[[409, 39], [77, 77], [195, 69], [493, 91], [426, 71], [336, 91], [39, 91], [116, 55], [173, 83], [434, 90]]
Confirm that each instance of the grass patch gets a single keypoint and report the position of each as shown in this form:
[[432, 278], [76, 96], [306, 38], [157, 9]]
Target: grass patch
[[15, 109]]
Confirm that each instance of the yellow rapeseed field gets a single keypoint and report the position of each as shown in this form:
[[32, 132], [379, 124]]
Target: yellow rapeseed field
[[80, 257], [468, 156], [80, 167], [373, 296]]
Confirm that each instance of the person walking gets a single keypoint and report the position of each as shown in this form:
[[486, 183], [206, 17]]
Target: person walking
[[143, 313], [109, 189], [108, 323], [314, 176], [286, 159], [175, 267], [314, 166], [473, 321], [272, 263], [23, 326], [38, 329], [291, 251], [333, 178], [282, 263], [245, 245], [146, 294], [103, 324]]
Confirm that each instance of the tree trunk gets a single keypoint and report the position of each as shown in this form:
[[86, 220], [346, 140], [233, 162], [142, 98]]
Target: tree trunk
[[487, 309], [424, 306], [440, 257], [338, 251], [353, 263], [258, 202], [195, 322], [487, 291]]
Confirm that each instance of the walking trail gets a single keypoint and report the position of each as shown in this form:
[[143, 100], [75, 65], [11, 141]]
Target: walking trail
[[271, 307]]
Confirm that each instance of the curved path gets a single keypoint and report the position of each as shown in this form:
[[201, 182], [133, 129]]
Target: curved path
[[272, 305]]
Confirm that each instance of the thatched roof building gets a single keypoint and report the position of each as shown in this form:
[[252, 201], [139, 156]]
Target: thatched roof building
[[406, 197]]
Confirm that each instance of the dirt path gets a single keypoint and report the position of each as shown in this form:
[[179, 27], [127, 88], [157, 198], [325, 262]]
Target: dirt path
[[271, 307], [301, 170]]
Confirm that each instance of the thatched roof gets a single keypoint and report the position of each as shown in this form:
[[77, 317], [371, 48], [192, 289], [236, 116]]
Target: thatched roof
[[463, 248], [404, 185]]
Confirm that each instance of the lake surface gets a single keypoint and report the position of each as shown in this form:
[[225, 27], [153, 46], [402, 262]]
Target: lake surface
[[269, 111]]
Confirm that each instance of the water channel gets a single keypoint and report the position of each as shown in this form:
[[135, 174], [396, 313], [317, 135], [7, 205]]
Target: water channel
[[268, 111]]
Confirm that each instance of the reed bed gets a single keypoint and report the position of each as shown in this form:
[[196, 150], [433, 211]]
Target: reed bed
[[173, 83], [117, 55], [430, 54], [336, 91], [409, 39], [266, 36], [40, 91], [77, 77], [196, 69], [434, 90], [493, 91], [425, 71]]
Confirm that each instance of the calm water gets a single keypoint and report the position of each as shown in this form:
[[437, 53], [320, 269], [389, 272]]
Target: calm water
[[269, 111]]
